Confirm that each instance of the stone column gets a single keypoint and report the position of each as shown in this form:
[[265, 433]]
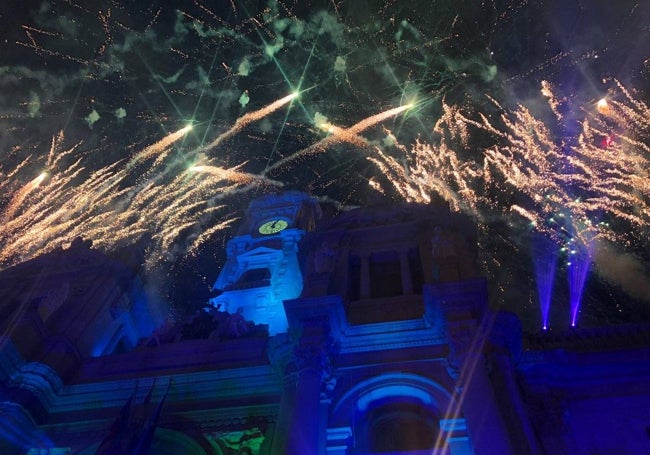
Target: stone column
[[485, 425], [314, 380], [525, 438], [468, 323], [504, 349], [280, 353], [311, 320], [302, 416], [304, 428]]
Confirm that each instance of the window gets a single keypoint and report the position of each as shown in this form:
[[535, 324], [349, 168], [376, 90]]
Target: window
[[354, 278], [398, 427], [385, 274], [253, 278]]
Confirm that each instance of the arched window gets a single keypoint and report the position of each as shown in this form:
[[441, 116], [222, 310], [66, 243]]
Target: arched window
[[401, 426], [396, 412]]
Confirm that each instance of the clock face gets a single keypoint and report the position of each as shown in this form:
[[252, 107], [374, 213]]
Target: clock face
[[273, 226]]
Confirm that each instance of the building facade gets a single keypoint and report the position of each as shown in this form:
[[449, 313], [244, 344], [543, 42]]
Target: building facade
[[367, 332]]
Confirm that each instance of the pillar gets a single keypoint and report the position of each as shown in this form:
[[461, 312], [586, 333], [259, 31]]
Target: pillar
[[305, 422], [468, 325], [302, 416], [486, 426]]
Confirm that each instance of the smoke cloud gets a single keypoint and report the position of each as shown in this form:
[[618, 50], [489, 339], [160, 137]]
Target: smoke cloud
[[623, 269]]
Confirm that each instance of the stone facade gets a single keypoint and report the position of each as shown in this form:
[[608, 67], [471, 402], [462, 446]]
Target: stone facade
[[389, 347]]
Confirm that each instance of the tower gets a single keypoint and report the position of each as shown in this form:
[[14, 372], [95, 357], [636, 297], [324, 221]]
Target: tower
[[262, 268]]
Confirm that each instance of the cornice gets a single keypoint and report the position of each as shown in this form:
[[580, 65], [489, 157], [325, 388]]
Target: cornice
[[238, 383]]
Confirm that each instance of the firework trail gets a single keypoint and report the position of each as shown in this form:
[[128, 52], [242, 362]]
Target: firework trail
[[350, 135], [20, 196], [234, 175], [102, 207], [247, 119], [161, 145]]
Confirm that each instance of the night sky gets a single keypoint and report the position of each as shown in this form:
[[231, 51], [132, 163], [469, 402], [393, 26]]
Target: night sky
[[123, 120]]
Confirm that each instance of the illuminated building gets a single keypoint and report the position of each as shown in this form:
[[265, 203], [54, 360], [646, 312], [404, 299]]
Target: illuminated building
[[367, 332]]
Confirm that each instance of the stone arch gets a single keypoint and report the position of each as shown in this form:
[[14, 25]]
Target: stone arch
[[430, 393], [171, 442], [392, 412]]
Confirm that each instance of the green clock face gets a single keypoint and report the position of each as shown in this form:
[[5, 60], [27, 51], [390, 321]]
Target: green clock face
[[273, 226]]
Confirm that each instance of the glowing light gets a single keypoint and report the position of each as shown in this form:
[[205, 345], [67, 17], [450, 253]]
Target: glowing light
[[577, 275], [545, 258], [607, 141], [603, 107], [38, 180], [384, 392], [328, 127]]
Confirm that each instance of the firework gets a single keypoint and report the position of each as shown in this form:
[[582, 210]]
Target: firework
[[564, 190], [575, 168]]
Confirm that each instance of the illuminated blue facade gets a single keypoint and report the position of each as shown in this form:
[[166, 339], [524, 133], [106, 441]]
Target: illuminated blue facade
[[262, 269], [366, 332]]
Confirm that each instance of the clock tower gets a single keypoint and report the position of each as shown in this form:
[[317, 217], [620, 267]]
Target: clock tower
[[262, 268]]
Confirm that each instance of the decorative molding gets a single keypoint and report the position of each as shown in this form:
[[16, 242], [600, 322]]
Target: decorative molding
[[188, 388], [338, 440], [448, 425], [39, 379]]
